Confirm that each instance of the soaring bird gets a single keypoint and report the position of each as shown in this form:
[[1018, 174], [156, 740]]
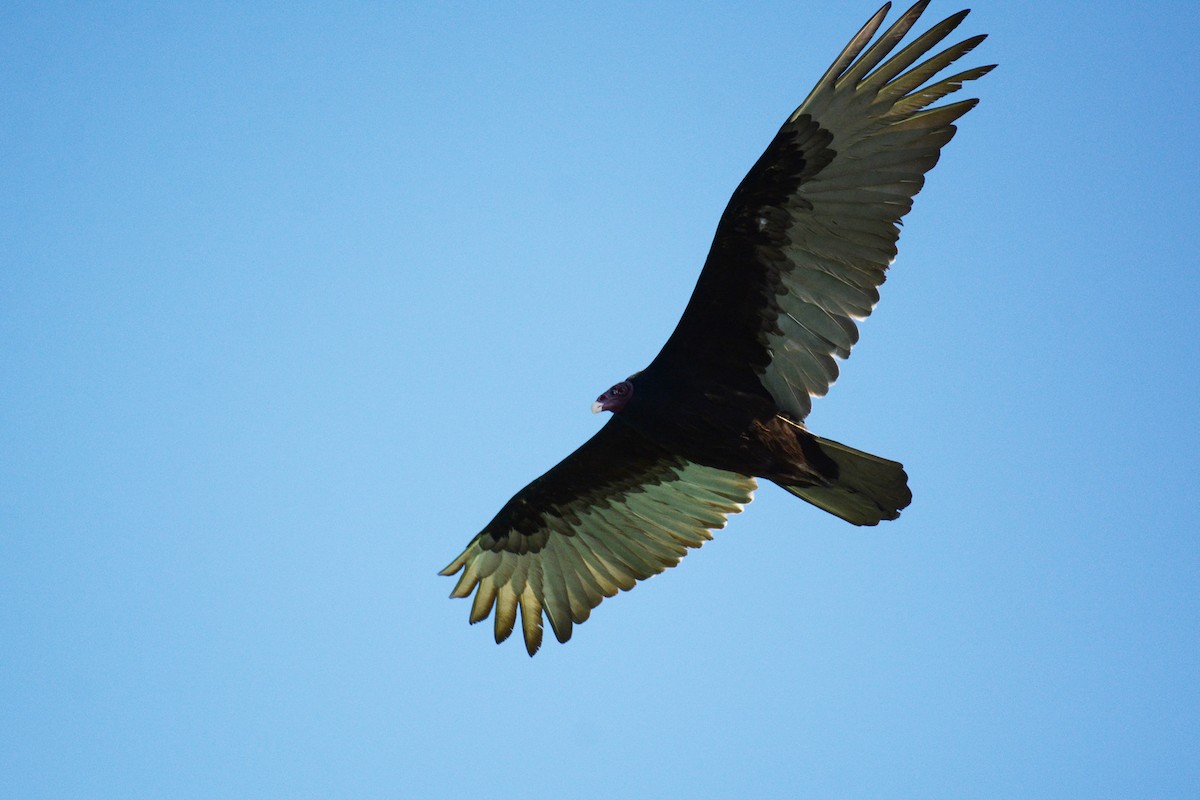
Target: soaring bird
[[798, 258]]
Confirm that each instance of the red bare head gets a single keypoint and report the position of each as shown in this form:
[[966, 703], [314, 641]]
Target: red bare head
[[614, 399]]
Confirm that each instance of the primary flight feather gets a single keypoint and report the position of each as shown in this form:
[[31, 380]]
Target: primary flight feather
[[797, 259]]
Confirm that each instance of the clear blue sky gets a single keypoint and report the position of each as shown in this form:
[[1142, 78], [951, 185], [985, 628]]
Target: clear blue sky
[[292, 299]]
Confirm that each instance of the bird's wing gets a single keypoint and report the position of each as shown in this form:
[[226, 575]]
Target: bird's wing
[[803, 245], [617, 510]]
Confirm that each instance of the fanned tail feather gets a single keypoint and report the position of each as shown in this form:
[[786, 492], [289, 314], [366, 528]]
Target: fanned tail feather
[[866, 490]]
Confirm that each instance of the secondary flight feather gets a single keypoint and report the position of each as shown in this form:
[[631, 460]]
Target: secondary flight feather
[[797, 260]]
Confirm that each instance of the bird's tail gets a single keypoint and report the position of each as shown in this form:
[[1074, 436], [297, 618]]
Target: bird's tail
[[863, 489]]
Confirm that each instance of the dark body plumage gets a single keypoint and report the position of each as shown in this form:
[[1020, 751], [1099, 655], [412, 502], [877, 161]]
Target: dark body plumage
[[722, 426], [797, 259]]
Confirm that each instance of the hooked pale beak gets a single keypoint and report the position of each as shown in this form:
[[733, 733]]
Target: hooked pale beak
[[597, 407]]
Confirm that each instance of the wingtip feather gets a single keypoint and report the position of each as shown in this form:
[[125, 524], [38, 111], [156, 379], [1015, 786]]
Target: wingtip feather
[[531, 620], [454, 566]]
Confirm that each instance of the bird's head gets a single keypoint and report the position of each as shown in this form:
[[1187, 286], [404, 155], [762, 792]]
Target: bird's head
[[614, 399]]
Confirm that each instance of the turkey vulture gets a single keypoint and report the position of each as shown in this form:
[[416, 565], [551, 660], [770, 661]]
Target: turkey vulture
[[798, 257]]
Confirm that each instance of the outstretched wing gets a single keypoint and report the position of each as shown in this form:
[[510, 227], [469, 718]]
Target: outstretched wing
[[803, 245], [617, 510]]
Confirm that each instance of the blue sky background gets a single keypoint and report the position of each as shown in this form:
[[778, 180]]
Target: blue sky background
[[293, 298]]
